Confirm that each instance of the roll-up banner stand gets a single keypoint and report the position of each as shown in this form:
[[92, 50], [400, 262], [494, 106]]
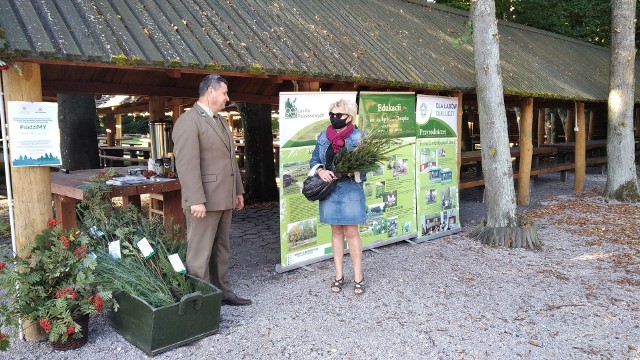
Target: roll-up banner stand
[[436, 162], [390, 190], [303, 239]]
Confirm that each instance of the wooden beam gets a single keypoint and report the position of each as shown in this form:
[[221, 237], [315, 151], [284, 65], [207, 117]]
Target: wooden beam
[[526, 151], [276, 79], [32, 184], [581, 150], [141, 89], [59, 86], [174, 73]]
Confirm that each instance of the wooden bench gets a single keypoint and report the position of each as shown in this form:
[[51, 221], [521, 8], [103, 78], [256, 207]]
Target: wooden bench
[[471, 182], [545, 169]]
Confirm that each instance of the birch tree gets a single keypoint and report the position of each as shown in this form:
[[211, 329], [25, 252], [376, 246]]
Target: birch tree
[[502, 225], [621, 178]]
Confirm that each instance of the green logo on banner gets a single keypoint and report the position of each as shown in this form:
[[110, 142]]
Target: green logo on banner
[[290, 109]]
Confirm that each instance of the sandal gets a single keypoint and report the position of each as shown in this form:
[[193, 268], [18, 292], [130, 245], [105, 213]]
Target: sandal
[[337, 285], [358, 288]]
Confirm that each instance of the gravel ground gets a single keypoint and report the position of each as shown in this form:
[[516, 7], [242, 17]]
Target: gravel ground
[[451, 298]]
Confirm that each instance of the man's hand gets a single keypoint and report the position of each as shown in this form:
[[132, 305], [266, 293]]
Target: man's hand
[[239, 202], [199, 211]]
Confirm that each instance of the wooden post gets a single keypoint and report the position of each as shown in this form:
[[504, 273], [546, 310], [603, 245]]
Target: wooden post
[[230, 121], [541, 131], [569, 134], [176, 109], [308, 86], [156, 108], [119, 126], [31, 185], [526, 151], [592, 120], [581, 150], [111, 129], [460, 113]]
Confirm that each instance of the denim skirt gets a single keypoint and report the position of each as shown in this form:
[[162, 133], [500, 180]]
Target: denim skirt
[[345, 204]]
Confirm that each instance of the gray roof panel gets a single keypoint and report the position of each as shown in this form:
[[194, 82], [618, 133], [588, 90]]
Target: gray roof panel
[[392, 42]]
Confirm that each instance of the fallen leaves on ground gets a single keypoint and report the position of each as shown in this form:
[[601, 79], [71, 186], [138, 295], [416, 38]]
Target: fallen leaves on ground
[[600, 221]]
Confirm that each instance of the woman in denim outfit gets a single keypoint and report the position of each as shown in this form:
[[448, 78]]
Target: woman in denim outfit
[[344, 208]]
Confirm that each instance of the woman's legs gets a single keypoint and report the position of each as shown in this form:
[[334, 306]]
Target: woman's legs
[[337, 242], [355, 250]]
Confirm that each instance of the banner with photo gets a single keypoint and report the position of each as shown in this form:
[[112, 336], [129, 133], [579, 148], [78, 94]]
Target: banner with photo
[[390, 191], [436, 161], [303, 239]]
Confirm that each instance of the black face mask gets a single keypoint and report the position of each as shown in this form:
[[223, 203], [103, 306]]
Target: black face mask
[[337, 122]]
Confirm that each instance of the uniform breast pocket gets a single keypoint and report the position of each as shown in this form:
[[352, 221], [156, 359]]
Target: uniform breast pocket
[[209, 178]]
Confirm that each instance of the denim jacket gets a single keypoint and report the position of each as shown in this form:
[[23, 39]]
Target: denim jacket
[[318, 158]]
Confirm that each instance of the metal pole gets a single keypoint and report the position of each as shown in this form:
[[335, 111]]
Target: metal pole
[[7, 176]]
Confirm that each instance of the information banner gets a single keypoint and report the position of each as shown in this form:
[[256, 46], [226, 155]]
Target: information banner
[[303, 239], [390, 191], [34, 136], [436, 162]]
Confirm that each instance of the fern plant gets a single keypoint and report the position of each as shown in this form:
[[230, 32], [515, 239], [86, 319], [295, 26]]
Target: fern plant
[[55, 284]]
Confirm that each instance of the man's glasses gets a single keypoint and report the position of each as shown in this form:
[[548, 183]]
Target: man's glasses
[[337, 115]]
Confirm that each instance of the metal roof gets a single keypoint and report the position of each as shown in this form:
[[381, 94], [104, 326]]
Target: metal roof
[[395, 42]]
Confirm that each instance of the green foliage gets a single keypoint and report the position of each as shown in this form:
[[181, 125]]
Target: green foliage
[[153, 280], [466, 36], [586, 20], [5, 229], [131, 124], [54, 284], [372, 151]]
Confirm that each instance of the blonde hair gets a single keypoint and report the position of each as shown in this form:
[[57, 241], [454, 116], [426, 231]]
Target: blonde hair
[[349, 106]]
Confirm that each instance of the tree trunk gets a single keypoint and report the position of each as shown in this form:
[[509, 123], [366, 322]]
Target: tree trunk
[[78, 136], [496, 157], [621, 177], [260, 174]]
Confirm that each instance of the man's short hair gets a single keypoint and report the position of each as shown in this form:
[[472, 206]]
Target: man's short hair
[[211, 81]]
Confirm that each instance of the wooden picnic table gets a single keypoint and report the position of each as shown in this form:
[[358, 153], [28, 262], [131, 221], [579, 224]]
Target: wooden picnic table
[[596, 149], [68, 191], [111, 156], [475, 157]]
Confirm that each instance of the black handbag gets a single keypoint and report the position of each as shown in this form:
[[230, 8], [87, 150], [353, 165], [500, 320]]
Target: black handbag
[[314, 188]]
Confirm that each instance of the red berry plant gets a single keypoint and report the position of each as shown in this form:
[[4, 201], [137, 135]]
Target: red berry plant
[[52, 285]]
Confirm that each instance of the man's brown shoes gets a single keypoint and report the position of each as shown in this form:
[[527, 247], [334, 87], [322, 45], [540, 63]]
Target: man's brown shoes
[[236, 301]]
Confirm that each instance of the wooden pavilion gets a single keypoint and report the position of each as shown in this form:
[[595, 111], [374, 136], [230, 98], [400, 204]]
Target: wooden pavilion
[[160, 50]]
